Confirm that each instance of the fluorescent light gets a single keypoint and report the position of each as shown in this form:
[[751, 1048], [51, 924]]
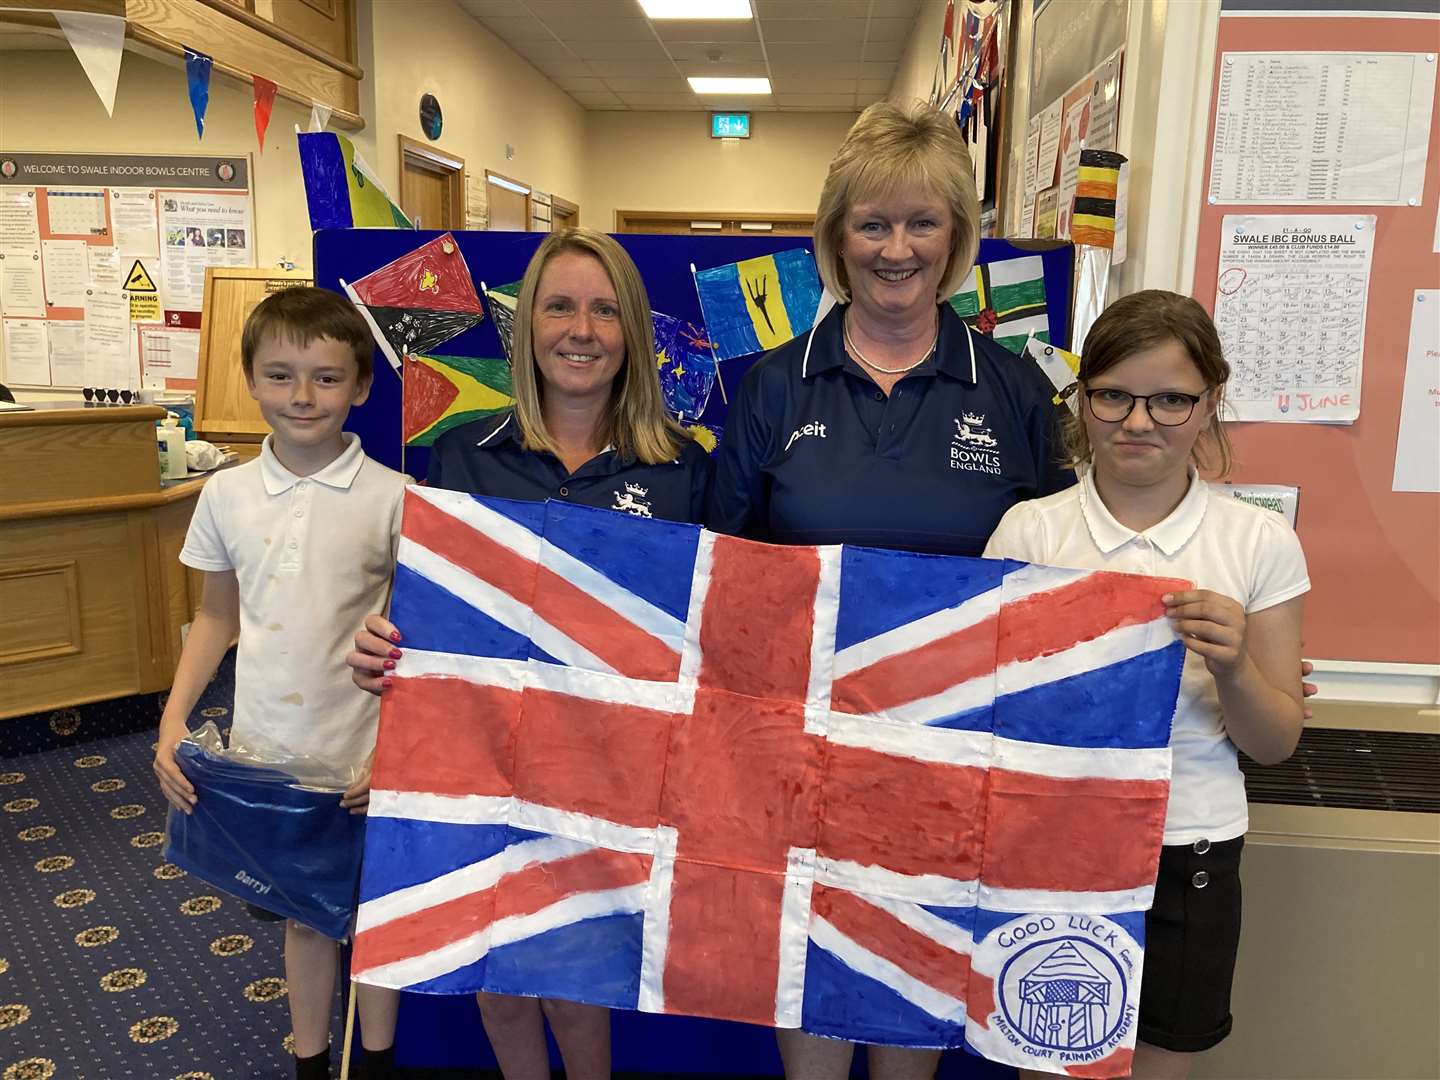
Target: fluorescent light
[[697, 9], [729, 86], [508, 185]]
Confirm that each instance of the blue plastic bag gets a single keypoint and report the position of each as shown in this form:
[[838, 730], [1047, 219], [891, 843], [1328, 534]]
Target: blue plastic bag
[[261, 834]]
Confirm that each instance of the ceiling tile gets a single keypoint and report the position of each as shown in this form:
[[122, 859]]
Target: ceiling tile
[[590, 99], [584, 9], [789, 85], [718, 32], [624, 85], [875, 86], [886, 51], [889, 29], [829, 101], [616, 50], [518, 28], [766, 10], [571, 84], [602, 29], [482, 9], [730, 52], [724, 71], [803, 31], [781, 55], [871, 69], [541, 53], [648, 69], [639, 100], [566, 69]]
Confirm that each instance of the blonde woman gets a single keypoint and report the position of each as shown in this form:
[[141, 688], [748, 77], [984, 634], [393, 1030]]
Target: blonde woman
[[589, 427]]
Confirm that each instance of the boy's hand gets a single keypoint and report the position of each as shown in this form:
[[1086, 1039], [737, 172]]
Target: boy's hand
[[173, 784], [1211, 625], [1307, 689], [357, 796], [374, 655]]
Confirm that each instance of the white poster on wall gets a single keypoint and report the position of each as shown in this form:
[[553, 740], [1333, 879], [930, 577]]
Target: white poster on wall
[[200, 229], [1417, 448]]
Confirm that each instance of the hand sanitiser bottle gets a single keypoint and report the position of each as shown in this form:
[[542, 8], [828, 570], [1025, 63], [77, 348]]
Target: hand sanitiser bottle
[[170, 439]]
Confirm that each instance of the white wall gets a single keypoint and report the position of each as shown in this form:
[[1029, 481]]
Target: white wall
[[667, 161]]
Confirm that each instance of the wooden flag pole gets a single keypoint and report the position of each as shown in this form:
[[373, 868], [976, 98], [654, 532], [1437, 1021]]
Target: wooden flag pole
[[349, 1034]]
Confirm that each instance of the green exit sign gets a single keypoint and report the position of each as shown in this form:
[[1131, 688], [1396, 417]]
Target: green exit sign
[[730, 125]]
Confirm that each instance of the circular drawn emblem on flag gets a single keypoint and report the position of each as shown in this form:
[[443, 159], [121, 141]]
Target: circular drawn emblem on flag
[[96, 935], [103, 787], [167, 872], [431, 118], [1065, 988], [128, 811], [54, 863], [90, 761], [73, 898], [13, 1015], [21, 806], [200, 905], [31, 1069], [36, 832], [122, 979], [65, 722], [267, 989], [147, 839], [7, 778], [232, 944], [154, 1029]]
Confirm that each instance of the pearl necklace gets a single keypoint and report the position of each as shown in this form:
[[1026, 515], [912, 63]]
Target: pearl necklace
[[850, 345]]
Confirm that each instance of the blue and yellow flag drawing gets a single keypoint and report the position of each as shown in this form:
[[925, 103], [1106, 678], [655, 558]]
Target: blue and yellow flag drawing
[[341, 192], [757, 304]]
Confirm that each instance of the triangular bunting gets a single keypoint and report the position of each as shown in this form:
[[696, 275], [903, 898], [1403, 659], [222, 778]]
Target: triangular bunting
[[319, 116], [99, 43], [264, 103], [197, 74]]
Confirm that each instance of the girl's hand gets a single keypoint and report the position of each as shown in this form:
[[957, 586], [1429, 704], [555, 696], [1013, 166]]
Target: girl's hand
[[374, 655], [357, 796], [1211, 625]]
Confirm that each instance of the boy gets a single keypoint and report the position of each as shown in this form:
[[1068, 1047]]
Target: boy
[[297, 546]]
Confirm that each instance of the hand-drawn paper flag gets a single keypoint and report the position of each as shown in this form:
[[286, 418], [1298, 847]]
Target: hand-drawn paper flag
[[1060, 367], [1093, 221], [757, 304], [895, 816], [442, 392], [419, 301], [1006, 300], [687, 366], [341, 191], [502, 301]]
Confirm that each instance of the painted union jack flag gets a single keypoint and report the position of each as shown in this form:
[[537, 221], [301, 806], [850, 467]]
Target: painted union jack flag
[[877, 795]]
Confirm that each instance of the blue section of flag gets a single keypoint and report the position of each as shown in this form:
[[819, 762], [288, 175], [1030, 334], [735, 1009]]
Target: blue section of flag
[[434, 619], [727, 319], [882, 590], [327, 195], [799, 287], [412, 851], [843, 1004], [655, 560], [529, 514], [1127, 705], [596, 961]]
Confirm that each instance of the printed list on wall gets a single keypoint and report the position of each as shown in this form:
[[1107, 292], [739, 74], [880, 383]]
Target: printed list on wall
[[102, 264]]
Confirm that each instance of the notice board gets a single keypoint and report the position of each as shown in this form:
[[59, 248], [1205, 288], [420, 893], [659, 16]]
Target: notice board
[[1373, 553], [102, 264]]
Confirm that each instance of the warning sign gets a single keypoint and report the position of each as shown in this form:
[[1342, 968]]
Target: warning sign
[[139, 279], [144, 297]]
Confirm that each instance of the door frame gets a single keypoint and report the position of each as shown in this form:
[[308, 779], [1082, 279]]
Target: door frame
[[725, 222], [510, 184], [434, 159]]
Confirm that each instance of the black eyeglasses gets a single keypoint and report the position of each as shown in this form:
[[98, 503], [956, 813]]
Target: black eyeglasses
[[1170, 409]]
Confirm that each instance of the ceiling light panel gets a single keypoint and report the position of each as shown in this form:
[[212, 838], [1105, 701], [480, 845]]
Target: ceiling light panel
[[697, 9], [729, 86]]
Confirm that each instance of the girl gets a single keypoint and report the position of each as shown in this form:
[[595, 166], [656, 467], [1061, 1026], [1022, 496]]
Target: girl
[[1151, 383]]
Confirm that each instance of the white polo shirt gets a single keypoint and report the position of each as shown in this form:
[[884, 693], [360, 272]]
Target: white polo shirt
[[1224, 545], [313, 556]]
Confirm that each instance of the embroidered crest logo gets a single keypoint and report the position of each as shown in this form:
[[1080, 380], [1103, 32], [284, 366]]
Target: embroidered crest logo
[[974, 447], [632, 500]]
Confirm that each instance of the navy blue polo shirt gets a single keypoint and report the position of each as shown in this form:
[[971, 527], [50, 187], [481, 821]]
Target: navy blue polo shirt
[[815, 453], [486, 457]]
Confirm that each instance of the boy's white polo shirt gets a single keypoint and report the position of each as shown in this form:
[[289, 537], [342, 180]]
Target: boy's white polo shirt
[[1224, 545], [313, 556]]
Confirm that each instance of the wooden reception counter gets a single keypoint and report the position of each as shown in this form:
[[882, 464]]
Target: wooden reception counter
[[92, 592]]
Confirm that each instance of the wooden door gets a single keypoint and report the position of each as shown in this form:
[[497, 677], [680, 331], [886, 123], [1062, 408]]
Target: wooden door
[[509, 203], [432, 186], [712, 223], [564, 214]]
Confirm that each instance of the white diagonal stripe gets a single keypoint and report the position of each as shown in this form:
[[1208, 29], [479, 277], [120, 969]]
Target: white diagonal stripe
[[584, 827], [574, 682], [505, 531], [941, 931], [922, 631], [949, 746], [1115, 646], [1082, 762], [447, 809], [862, 960], [873, 881], [1059, 902], [655, 622]]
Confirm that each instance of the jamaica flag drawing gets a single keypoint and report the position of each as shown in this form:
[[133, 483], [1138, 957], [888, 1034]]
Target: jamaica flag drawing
[[442, 392], [419, 301], [1006, 300]]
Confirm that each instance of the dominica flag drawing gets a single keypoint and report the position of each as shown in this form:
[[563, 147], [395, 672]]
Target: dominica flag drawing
[[442, 392], [1006, 300], [899, 798], [341, 190], [758, 304], [419, 301]]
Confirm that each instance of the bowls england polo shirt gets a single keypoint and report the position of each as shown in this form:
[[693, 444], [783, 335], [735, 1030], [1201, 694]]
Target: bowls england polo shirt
[[486, 457], [815, 453]]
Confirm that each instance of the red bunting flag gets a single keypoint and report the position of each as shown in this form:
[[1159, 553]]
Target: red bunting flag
[[264, 102]]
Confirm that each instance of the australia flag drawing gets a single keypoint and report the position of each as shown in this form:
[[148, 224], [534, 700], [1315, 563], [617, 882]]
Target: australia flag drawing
[[877, 795]]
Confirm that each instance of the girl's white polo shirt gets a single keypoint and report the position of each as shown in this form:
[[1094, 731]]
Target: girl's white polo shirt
[[1225, 545], [313, 556]]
